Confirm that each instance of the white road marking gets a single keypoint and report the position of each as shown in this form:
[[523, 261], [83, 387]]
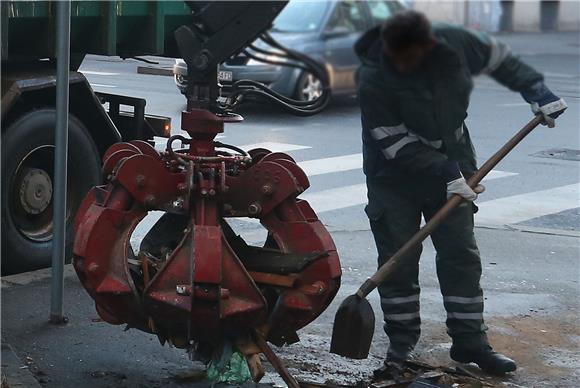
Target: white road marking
[[354, 162], [354, 195], [522, 207], [91, 72], [275, 147], [337, 198], [160, 143], [143, 228], [103, 85], [344, 196], [560, 75], [333, 164], [340, 197], [496, 174], [512, 104]]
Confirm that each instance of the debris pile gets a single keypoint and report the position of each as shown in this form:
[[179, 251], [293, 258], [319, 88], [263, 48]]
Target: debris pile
[[415, 374]]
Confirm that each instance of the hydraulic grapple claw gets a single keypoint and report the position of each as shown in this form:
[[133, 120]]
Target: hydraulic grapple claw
[[193, 280]]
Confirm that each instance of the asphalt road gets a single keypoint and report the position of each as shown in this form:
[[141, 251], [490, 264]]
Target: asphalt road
[[528, 230]]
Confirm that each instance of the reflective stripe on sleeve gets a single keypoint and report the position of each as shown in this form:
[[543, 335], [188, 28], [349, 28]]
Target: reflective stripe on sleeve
[[498, 52], [459, 133], [401, 317], [478, 316], [401, 299], [433, 143], [463, 300], [391, 152], [380, 133]]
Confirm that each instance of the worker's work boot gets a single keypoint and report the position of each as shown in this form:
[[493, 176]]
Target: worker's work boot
[[397, 355], [394, 364], [485, 357]]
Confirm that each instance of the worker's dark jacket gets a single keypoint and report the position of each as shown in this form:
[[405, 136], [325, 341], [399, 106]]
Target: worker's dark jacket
[[411, 122]]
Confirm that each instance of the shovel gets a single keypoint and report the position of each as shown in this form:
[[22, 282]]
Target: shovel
[[354, 323]]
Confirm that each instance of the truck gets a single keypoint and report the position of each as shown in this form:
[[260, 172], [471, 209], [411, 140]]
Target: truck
[[127, 29]]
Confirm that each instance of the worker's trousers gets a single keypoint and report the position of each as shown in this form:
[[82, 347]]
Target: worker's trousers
[[394, 211]]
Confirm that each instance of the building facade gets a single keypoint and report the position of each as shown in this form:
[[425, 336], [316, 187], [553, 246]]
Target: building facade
[[502, 15]]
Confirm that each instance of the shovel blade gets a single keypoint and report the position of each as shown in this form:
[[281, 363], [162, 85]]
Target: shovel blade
[[354, 326]]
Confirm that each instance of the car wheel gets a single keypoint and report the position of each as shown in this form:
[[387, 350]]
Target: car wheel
[[27, 179], [308, 88]]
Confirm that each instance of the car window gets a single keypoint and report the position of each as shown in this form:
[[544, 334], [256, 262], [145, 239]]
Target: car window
[[396, 6], [301, 16], [382, 9], [347, 16]]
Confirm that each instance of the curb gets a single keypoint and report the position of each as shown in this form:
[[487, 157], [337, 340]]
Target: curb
[[531, 229], [14, 374], [25, 278]]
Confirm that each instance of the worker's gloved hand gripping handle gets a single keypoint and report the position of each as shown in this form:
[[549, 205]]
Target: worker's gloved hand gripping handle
[[384, 271], [544, 102], [450, 172]]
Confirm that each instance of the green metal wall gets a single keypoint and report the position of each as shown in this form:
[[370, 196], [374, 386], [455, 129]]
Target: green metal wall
[[124, 28]]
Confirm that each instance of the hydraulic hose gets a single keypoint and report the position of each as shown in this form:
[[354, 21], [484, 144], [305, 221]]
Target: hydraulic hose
[[288, 58]]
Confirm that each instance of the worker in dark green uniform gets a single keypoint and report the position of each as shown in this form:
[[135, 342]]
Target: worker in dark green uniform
[[414, 86]]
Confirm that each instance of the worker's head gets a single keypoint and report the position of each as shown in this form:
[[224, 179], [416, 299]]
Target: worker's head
[[407, 39]]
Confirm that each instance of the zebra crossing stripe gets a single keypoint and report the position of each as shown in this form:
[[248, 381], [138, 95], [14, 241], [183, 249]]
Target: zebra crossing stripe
[[275, 147], [93, 72], [337, 198], [332, 164], [353, 195], [340, 197], [522, 207], [102, 85], [502, 211], [354, 162], [496, 174]]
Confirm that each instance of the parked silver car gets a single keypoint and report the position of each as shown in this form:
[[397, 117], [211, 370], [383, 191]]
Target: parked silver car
[[324, 30]]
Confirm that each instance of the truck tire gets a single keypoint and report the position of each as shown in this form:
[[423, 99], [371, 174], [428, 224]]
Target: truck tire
[[27, 176]]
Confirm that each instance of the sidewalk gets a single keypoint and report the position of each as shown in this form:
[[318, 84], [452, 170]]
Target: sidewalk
[[15, 373], [86, 352]]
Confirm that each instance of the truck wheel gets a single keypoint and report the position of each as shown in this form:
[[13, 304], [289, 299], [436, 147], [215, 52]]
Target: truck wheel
[[27, 179]]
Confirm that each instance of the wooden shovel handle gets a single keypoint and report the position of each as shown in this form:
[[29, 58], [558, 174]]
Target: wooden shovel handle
[[390, 266]]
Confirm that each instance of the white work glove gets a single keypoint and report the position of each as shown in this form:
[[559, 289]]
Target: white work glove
[[460, 187], [544, 102], [550, 111]]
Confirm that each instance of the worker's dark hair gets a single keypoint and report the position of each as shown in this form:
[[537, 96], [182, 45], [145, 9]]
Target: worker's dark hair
[[404, 29]]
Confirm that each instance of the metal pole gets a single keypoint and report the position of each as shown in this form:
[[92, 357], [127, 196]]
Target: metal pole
[[60, 160]]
